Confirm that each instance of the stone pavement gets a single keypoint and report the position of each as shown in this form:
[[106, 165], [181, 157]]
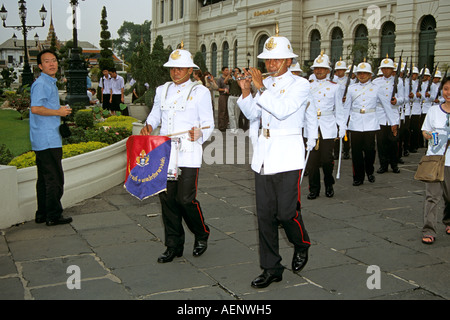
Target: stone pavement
[[115, 239]]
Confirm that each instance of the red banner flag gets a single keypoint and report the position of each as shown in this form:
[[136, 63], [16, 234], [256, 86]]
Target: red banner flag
[[147, 165]]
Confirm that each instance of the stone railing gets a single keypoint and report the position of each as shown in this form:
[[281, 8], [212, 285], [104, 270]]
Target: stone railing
[[85, 176]]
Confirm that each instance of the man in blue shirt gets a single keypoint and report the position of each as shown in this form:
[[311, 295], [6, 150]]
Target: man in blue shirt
[[46, 141]]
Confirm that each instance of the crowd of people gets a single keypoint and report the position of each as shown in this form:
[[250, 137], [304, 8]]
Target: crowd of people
[[294, 125]]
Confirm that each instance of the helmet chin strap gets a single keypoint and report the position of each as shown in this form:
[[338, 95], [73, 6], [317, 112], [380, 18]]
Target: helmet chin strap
[[182, 80], [281, 67]]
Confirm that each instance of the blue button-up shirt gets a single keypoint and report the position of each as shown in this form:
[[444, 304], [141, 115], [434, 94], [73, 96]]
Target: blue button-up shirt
[[44, 130]]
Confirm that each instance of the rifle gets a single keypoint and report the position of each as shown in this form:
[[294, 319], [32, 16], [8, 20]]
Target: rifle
[[441, 85], [397, 75], [411, 67], [332, 71], [405, 72], [431, 79], [349, 79], [419, 86]]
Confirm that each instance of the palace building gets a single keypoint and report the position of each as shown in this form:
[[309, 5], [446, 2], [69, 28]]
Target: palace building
[[232, 32]]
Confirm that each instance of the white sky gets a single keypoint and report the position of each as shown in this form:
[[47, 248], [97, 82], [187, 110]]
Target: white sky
[[118, 11]]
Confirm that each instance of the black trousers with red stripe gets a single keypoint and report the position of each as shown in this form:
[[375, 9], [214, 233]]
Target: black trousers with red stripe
[[278, 201], [179, 202]]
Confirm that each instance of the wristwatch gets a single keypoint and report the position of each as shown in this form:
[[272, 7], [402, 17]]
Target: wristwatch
[[261, 90]]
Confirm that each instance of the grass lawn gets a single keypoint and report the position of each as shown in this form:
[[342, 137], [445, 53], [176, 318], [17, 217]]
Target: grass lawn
[[14, 133]]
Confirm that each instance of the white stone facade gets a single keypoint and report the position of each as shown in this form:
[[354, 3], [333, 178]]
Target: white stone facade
[[243, 24]]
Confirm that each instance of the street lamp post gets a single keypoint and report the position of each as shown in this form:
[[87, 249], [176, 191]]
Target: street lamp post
[[77, 72], [27, 75]]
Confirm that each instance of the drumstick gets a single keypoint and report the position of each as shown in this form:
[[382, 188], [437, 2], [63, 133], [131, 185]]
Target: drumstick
[[183, 132]]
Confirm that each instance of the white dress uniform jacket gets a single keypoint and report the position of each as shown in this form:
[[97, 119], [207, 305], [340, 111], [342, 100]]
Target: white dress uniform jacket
[[426, 102], [416, 108], [179, 109], [387, 113], [361, 104], [330, 111], [282, 109]]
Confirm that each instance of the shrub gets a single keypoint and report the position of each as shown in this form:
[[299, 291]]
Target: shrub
[[29, 159], [118, 122], [84, 118], [5, 155]]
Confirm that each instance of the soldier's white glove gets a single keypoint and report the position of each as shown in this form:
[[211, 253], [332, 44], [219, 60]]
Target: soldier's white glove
[[310, 144], [341, 132]]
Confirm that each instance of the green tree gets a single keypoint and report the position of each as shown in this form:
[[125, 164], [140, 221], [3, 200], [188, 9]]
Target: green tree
[[106, 55], [200, 62], [130, 36]]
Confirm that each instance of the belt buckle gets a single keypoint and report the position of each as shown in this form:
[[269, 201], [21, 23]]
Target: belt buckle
[[362, 111], [319, 113], [266, 133]]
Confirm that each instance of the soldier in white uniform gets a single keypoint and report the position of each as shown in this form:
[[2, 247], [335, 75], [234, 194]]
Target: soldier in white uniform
[[425, 100], [281, 107], [436, 96], [330, 114], [388, 114], [361, 103], [340, 77], [182, 105], [416, 111]]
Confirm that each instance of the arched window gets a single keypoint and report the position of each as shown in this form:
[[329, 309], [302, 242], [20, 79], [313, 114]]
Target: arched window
[[387, 40], [337, 44], [427, 42], [203, 50], [225, 54], [214, 59], [361, 45], [314, 50], [261, 42]]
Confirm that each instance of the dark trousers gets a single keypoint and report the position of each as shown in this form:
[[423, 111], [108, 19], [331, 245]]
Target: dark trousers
[[363, 154], [222, 117], [106, 104], [278, 201], [405, 136], [416, 133], [179, 202], [321, 158], [50, 183], [387, 146]]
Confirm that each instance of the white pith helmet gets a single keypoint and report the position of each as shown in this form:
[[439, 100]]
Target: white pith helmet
[[277, 47], [322, 61], [426, 73], [295, 67], [438, 74], [340, 65], [387, 63], [181, 58], [364, 67]]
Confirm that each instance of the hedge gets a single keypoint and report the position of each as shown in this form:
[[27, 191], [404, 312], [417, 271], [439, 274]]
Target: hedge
[[29, 159]]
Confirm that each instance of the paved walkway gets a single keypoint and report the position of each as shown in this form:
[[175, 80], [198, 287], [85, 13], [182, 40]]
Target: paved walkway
[[115, 239]]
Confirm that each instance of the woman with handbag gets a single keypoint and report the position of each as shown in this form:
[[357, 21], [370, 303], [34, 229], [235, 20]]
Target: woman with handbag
[[436, 129]]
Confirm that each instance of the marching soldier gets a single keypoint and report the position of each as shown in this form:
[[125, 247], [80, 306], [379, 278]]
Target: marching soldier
[[434, 92], [425, 99], [179, 106], [328, 100], [340, 77], [281, 107], [361, 103], [416, 111], [389, 117]]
